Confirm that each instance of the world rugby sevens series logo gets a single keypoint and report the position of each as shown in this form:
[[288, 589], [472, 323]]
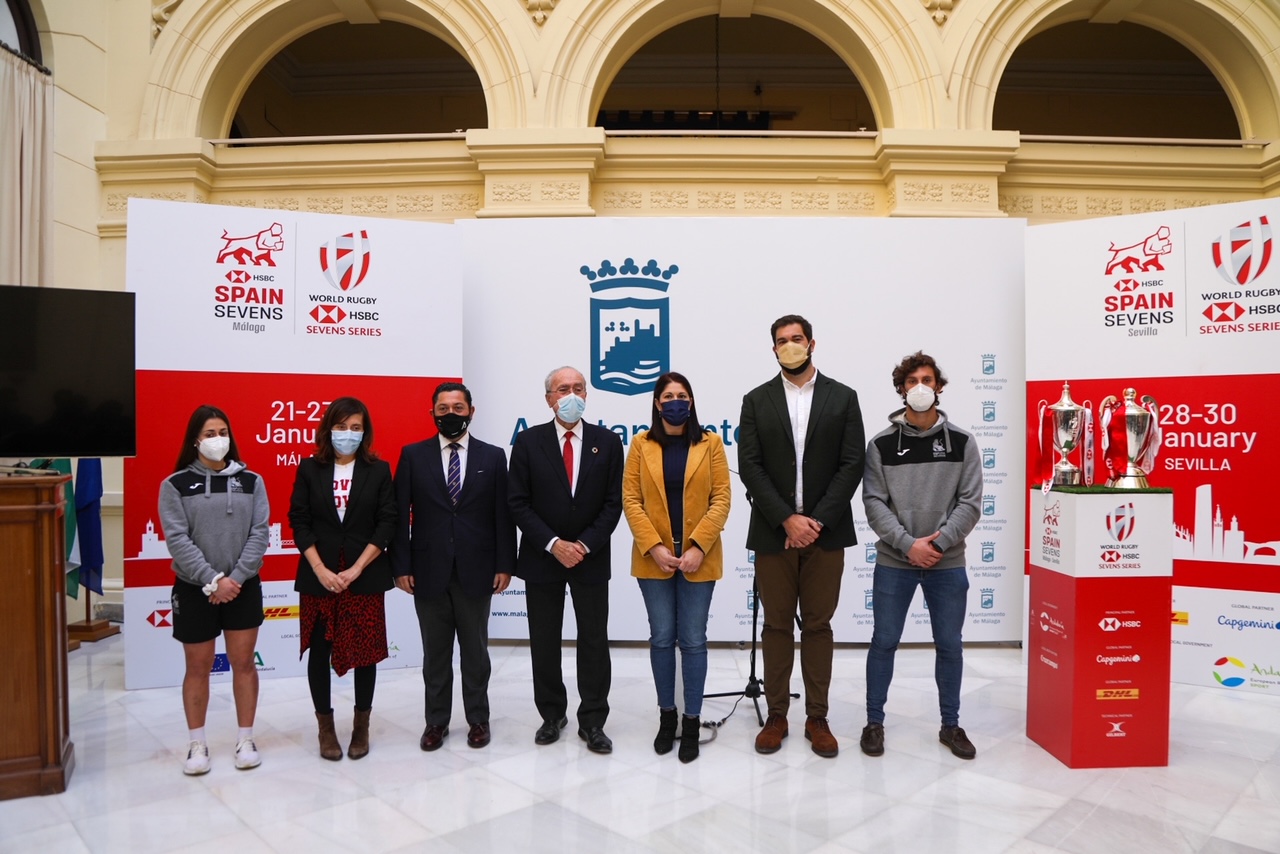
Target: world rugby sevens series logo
[[1242, 254], [1120, 522], [630, 327], [345, 260], [1228, 681]]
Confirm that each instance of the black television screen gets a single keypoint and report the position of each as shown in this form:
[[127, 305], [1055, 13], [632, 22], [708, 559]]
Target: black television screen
[[66, 373]]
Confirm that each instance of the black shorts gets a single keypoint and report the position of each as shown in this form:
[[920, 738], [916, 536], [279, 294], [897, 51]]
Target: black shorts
[[196, 620]]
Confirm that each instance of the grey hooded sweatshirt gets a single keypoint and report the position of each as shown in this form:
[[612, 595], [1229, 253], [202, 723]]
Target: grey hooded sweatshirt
[[215, 522], [918, 482]]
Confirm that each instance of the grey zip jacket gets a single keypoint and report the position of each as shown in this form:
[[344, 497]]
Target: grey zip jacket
[[215, 522], [918, 482]]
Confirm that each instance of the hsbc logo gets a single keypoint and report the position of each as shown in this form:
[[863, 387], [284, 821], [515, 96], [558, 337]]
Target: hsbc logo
[[1110, 556], [1223, 312], [160, 619], [1124, 286], [238, 277], [326, 313], [1111, 624]]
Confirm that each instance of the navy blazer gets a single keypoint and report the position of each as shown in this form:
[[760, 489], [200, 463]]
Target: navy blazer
[[544, 508], [834, 451], [434, 536], [370, 518]]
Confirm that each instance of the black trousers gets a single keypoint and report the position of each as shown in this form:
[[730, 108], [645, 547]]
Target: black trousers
[[441, 619], [545, 602]]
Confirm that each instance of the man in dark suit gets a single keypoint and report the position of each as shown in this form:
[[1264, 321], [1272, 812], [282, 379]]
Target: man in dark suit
[[566, 497], [800, 456], [455, 547]]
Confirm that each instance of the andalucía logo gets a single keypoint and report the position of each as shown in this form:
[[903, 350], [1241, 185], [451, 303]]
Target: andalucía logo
[[630, 332], [253, 249], [1228, 681], [1120, 522], [1241, 255], [345, 260]]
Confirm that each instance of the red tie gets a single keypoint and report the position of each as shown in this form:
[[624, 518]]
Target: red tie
[[568, 457]]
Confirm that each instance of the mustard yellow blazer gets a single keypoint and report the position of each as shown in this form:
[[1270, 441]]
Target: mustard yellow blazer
[[706, 504]]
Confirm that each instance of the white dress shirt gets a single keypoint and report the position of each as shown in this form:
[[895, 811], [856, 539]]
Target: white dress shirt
[[799, 400]]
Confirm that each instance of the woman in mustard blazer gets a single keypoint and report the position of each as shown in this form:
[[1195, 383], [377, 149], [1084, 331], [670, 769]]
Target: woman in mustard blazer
[[675, 493]]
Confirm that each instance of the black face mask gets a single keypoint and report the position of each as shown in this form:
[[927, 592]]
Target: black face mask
[[800, 369], [452, 425]]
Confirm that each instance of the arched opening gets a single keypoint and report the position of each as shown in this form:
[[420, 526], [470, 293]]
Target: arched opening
[[18, 29], [346, 79], [756, 73], [1121, 79]]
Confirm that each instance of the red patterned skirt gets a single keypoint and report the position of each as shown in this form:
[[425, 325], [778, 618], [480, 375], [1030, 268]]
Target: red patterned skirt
[[355, 623]]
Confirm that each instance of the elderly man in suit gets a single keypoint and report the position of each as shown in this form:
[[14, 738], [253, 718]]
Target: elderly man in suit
[[800, 456], [566, 497], [455, 547]]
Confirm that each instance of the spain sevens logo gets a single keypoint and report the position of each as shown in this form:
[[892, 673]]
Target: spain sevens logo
[[1120, 522], [1242, 254], [345, 260]]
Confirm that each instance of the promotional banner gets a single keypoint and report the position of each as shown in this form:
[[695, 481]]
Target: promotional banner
[[1184, 308], [269, 315], [624, 300]]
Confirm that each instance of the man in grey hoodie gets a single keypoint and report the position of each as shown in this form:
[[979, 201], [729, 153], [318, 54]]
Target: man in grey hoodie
[[921, 491]]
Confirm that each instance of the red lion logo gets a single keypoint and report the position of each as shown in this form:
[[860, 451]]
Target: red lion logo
[[1151, 248], [255, 248]]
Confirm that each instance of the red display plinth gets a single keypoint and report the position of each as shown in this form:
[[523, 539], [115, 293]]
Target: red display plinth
[[1099, 639]]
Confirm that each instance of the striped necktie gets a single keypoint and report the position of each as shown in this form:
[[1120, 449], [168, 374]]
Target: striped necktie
[[454, 481]]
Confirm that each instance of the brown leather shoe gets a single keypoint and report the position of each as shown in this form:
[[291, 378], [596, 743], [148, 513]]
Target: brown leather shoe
[[433, 737], [478, 735], [769, 739], [819, 734]]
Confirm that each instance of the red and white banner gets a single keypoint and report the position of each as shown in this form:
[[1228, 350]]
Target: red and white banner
[[269, 315], [1183, 306]]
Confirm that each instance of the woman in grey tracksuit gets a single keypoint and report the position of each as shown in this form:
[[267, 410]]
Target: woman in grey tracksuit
[[214, 514]]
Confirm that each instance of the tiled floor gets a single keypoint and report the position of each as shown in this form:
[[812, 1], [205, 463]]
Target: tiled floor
[[1220, 793]]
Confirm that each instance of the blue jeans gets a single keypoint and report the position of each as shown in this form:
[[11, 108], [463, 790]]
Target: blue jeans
[[678, 611], [945, 594]]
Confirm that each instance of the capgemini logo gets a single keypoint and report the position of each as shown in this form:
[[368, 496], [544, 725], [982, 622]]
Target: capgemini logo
[[1228, 681], [630, 329]]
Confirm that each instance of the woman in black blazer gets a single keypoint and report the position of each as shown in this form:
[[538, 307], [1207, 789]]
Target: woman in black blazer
[[343, 514]]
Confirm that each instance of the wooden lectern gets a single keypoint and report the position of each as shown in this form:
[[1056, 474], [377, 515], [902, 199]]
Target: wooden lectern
[[36, 753]]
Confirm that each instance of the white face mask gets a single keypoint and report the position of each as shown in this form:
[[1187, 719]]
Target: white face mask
[[921, 398], [214, 448]]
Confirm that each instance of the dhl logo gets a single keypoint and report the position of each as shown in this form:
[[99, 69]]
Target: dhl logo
[[283, 612], [1117, 693], [1181, 618]]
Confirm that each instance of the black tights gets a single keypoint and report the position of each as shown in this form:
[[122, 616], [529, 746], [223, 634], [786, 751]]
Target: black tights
[[318, 674]]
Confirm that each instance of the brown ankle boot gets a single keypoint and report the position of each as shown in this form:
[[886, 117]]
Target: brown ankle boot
[[329, 747], [359, 735]]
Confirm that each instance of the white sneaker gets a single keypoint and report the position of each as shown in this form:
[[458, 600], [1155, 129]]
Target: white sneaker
[[197, 759], [247, 755]]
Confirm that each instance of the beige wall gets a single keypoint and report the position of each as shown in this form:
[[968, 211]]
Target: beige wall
[[134, 115]]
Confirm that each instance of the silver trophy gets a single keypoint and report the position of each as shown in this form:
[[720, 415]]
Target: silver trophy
[[1067, 419], [1131, 439]]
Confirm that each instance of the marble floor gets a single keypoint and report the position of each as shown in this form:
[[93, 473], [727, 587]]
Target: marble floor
[[1220, 793]]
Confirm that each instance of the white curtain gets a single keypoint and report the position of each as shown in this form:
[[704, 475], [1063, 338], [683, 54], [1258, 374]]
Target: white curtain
[[26, 172]]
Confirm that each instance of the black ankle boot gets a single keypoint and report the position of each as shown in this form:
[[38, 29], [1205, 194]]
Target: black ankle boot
[[690, 728], [666, 736]]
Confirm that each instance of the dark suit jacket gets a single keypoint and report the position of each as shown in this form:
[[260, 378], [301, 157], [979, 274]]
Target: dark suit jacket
[[370, 518], [477, 536], [834, 448], [543, 507]]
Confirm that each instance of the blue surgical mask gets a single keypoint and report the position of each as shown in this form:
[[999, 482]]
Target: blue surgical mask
[[569, 409], [675, 412], [346, 441]]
